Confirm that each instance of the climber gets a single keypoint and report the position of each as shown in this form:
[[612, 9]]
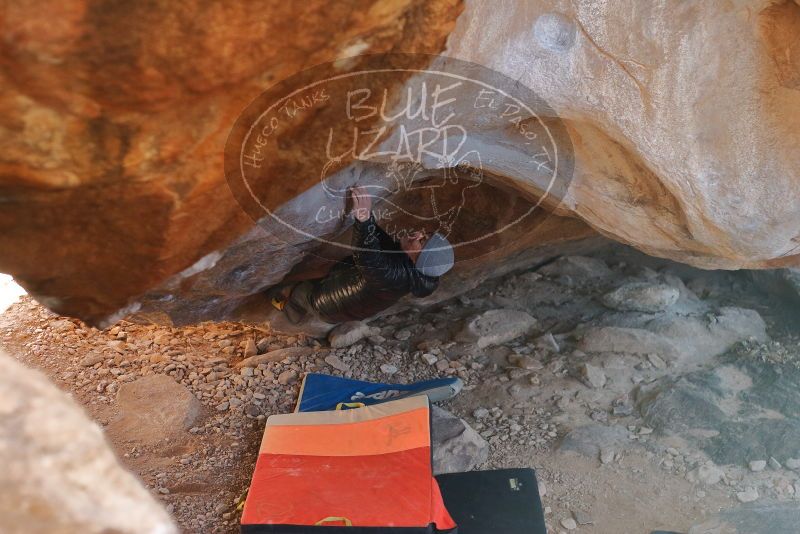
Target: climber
[[380, 271]]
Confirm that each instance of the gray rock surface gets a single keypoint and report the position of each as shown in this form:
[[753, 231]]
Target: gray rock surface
[[768, 518], [457, 447], [738, 412], [628, 340], [675, 337], [702, 337], [58, 474]]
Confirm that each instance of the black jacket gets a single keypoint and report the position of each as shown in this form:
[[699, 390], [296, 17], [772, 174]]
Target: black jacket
[[376, 276]]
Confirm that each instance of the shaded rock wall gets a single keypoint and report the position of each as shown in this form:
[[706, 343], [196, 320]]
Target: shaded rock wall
[[684, 119]]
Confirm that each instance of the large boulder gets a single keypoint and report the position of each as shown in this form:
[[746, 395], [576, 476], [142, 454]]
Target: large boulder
[[114, 122], [59, 474]]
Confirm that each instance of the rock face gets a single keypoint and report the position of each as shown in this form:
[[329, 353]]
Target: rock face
[[59, 475], [115, 119], [659, 164], [737, 413], [762, 519]]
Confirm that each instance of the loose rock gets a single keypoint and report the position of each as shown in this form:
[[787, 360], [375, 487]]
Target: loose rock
[[388, 368], [758, 465], [642, 296], [569, 523], [287, 377], [593, 376], [336, 362], [276, 356], [456, 446], [350, 333], [750, 494], [497, 326], [250, 348]]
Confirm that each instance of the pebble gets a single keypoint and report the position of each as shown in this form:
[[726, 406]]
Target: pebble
[[388, 368], [750, 494], [250, 348], [607, 455], [336, 362], [429, 358], [525, 362], [547, 341], [622, 410], [792, 463], [287, 377], [593, 376], [656, 361], [480, 413], [709, 474], [402, 335], [582, 518], [92, 359], [758, 465], [569, 523]]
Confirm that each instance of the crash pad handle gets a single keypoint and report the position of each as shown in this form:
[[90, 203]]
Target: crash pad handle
[[342, 405], [333, 519]]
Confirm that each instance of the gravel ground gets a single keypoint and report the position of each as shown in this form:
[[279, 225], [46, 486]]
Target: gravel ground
[[524, 394]]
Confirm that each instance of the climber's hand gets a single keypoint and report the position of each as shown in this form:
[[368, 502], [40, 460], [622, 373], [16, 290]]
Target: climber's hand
[[362, 203]]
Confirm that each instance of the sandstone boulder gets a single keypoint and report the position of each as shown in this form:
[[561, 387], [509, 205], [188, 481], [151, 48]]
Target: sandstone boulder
[[114, 193], [59, 474]]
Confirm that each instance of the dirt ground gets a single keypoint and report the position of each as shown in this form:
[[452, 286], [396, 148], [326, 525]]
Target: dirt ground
[[524, 411]]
